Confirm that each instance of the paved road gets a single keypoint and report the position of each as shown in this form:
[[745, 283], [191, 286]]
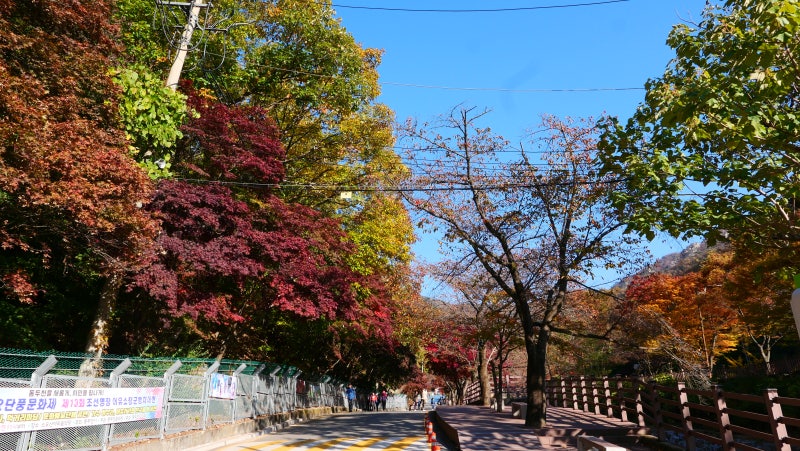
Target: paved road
[[362, 431]]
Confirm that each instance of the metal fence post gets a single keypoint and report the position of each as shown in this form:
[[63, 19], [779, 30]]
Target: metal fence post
[[273, 395], [113, 382], [256, 396], [293, 388], [167, 394], [207, 392], [36, 382], [236, 374]]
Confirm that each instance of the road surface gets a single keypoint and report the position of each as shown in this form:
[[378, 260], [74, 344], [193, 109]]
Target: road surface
[[361, 431]]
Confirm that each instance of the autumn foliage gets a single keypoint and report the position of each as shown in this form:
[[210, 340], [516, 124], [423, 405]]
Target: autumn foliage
[[206, 257], [69, 193]]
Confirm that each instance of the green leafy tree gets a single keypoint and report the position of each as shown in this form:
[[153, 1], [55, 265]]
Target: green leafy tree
[[152, 114], [712, 149]]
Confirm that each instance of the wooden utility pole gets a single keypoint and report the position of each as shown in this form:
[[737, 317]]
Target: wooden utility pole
[[186, 39]]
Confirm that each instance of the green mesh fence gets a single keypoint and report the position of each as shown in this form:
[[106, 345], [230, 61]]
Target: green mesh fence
[[20, 364]]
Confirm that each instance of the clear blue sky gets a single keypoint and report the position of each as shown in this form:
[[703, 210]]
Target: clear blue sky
[[563, 60]]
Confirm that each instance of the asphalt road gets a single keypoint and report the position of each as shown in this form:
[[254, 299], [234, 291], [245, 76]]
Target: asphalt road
[[362, 431]]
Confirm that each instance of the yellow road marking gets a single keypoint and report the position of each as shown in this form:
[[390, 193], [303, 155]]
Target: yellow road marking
[[294, 445], [403, 444], [265, 445], [328, 444], [367, 443], [250, 447], [288, 445]]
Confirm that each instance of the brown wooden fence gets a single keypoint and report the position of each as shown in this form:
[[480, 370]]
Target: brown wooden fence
[[731, 420]]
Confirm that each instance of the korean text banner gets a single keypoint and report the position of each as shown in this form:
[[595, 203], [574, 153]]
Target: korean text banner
[[34, 409]]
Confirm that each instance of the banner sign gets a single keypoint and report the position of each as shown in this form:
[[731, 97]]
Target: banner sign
[[223, 386], [35, 409]]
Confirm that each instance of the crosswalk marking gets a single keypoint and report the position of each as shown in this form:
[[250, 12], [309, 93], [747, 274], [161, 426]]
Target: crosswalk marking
[[328, 444], [403, 444], [365, 444], [294, 445], [412, 443], [252, 447]]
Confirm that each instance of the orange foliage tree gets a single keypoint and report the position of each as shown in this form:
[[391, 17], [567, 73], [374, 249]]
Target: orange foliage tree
[[693, 323]]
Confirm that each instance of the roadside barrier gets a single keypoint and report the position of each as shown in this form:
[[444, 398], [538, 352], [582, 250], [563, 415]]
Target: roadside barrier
[[47, 403], [725, 419]]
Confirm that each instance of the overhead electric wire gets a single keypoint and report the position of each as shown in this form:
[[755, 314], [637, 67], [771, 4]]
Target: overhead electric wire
[[515, 90], [487, 10], [315, 187], [452, 88]]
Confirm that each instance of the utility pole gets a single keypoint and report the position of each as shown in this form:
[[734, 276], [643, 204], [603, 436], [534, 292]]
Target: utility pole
[[186, 39]]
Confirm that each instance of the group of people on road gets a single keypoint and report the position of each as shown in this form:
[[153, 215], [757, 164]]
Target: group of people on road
[[375, 401], [419, 401]]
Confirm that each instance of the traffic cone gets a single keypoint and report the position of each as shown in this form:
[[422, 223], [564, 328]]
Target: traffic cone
[[431, 437], [435, 447]]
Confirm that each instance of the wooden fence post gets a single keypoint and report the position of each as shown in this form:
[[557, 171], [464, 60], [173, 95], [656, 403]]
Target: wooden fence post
[[639, 403], [723, 419], [775, 412], [595, 397], [688, 430], [607, 391], [658, 414], [574, 392], [563, 394], [584, 395], [623, 414]]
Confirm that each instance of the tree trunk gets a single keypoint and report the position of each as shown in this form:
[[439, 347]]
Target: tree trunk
[[498, 387], [536, 347], [100, 332], [483, 376]]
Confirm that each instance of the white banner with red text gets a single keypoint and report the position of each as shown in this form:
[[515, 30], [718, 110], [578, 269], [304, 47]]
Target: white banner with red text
[[35, 409]]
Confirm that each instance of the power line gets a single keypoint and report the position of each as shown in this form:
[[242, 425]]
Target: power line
[[542, 90], [491, 10], [451, 88], [356, 188]]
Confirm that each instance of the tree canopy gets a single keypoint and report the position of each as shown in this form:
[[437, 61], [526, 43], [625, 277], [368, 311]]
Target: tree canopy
[[535, 230], [189, 222], [712, 149]]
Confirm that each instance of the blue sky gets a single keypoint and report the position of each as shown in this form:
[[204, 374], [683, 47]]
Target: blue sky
[[563, 60]]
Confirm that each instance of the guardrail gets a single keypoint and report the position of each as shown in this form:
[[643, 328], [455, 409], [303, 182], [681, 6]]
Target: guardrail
[[729, 420], [167, 403]]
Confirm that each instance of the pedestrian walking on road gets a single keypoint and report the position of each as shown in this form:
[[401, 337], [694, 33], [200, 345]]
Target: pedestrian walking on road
[[351, 396], [373, 402], [382, 399]]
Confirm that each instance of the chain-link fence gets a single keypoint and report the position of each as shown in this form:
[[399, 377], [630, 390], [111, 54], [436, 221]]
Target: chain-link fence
[[190, 390]]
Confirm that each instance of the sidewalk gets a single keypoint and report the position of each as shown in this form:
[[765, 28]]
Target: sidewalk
[[481, 428]]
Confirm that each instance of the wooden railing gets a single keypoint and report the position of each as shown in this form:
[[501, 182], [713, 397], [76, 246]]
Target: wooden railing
[[730, 420]]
